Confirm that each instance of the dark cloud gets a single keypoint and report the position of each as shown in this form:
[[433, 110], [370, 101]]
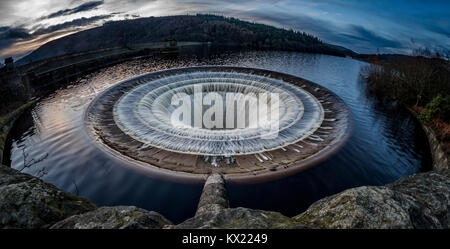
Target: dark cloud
[[444, 31], [6, 43], [12, 33], [18, 33], [81, 8], [74, 23], [16, 41], [362, 34]]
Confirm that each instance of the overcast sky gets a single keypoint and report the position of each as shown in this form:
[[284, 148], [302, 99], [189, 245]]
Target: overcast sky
[[363, 26]]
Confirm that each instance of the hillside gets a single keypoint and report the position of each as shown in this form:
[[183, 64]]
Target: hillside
[[198, 28]]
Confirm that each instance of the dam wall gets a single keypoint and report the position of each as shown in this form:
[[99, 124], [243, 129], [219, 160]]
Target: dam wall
[[40, 77], [44, 78], [439, 156]]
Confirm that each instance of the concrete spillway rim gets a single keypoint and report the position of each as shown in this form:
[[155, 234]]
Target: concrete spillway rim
[[240, 178]]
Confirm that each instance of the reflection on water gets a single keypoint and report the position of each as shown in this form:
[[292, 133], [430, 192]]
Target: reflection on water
[[386, 143]]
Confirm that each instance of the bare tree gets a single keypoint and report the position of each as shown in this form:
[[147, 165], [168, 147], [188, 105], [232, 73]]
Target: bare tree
[[29, 163], [410, 80]]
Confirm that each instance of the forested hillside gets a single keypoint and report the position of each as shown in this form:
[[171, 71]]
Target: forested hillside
[[198, 28]]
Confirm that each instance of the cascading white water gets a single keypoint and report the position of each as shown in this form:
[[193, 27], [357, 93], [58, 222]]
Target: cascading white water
[[291, 123], [144, 113]]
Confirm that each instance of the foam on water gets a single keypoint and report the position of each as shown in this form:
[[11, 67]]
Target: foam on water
[[144, 114], [135, 119]]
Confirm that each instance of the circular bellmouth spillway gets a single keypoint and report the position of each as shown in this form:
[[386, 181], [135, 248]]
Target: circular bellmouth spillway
[[242, 122]]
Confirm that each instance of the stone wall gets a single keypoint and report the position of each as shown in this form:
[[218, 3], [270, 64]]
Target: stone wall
[[42, 80], [13, 88], [440, 158], [6, 123]]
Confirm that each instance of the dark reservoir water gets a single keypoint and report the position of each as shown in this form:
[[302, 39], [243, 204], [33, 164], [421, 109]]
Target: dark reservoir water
[[386, 144]]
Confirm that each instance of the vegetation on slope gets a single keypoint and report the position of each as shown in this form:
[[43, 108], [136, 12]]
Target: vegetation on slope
[[421, 82], [198, 28], [409, 80], [438, 107]]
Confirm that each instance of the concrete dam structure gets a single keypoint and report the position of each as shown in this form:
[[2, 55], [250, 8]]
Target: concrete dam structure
[[247, 124]]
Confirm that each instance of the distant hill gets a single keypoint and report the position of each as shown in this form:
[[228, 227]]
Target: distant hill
[[373, 58], [198, 28]]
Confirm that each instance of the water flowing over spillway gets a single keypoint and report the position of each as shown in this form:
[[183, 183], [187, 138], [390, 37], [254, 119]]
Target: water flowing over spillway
[[258, 122]]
